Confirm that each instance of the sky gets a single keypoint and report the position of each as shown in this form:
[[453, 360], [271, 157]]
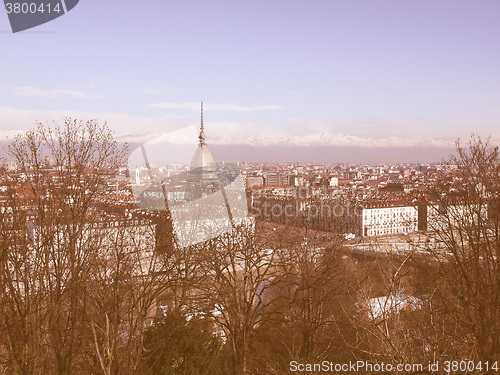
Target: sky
[[361, 80]]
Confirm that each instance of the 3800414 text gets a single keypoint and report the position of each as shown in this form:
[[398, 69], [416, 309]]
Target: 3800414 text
[[32, 8]]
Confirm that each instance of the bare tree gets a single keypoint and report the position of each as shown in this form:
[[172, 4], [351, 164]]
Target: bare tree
[[464, 217], [387, 323], [315, 290], [128, 279], [50, 253], [239, 274], [307, 318], [22, 344]]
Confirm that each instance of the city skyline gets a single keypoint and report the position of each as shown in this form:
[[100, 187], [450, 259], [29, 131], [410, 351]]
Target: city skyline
[[322, 81], [241, 188]]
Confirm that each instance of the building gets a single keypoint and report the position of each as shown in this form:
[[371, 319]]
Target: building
[[254, 181], [214, 202], [275, 179], [380, 219], [137, 176]]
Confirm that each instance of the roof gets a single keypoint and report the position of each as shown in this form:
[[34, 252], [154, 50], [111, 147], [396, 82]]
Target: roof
[[202, 158]]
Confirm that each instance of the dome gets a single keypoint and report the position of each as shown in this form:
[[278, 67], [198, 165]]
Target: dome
[[202, 158]]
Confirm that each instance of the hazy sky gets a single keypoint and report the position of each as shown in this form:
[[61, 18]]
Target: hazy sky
[[290, 73]]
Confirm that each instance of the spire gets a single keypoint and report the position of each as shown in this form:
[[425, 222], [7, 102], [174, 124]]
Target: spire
[[202, 137]]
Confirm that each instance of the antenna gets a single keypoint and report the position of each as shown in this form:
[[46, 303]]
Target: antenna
[[202, 137]]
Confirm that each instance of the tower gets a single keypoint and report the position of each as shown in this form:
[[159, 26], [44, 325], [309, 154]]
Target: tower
[[202, 137], [203, 174], [202, 157]]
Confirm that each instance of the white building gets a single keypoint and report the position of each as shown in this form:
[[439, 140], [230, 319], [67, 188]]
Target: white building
[[383, 220]]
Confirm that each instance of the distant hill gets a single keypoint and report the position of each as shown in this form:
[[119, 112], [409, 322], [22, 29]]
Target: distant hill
[[322, 154]]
